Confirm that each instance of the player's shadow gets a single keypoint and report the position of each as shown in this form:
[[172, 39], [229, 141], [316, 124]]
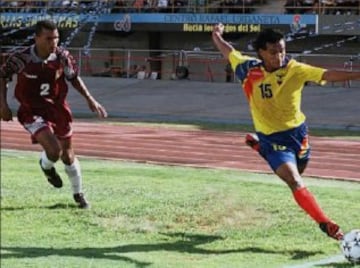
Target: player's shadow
[[337, 265], [185, 243], [55, 206]]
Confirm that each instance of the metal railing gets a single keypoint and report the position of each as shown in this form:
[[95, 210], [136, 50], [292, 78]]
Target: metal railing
[[194, 65]]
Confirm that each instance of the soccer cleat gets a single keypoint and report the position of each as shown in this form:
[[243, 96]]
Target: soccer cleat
[[252, 140], [52, 176], [332, 229], [81, 201]]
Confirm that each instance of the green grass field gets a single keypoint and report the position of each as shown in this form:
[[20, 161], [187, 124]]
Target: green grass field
[[158, 216]]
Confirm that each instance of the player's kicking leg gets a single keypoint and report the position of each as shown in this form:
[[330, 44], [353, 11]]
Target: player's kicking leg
[[288, 172], [73, 170], [328, 227]]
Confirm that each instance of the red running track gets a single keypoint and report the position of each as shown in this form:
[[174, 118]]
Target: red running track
[[331, 158]]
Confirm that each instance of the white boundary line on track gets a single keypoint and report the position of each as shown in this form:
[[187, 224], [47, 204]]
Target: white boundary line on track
[[329, 260]]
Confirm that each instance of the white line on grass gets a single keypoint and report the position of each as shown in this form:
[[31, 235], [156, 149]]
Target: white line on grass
[[333, 259]]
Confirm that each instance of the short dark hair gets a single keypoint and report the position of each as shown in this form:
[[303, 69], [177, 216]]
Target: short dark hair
[[267, 36], [44, 24]]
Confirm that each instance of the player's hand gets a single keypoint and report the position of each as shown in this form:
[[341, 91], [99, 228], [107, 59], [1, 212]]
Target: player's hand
[[5, 113], [218, 29], [97, 108]]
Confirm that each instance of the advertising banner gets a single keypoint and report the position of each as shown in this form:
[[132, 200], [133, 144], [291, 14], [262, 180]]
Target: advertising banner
[[174, 22]]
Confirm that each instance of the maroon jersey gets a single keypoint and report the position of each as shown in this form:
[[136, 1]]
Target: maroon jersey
[[41, 89], [40, 82]]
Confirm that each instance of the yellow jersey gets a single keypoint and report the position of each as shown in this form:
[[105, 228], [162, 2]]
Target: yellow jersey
[[274, 98]]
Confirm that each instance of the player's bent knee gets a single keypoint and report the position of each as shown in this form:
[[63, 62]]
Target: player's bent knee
[[53, 154], [289, 174], [68, 157]]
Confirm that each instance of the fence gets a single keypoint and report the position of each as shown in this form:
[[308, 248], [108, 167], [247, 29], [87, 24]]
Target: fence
[[194, 65], [182, 64]]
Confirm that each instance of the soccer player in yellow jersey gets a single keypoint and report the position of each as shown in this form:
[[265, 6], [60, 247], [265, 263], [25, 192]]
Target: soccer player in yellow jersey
[[273, 85]]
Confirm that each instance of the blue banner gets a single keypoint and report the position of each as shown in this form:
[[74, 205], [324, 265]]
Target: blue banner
[[178, 22]]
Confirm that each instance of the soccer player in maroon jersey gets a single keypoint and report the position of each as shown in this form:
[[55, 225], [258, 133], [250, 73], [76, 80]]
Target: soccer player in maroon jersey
[[41, 89]]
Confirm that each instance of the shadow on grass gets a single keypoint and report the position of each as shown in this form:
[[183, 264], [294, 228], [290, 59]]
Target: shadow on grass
[[337, 265], [55, 206], [185, 243]]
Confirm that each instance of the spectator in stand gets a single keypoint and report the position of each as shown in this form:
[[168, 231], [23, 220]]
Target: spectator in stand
[[16, 6], [139, 5], [119, 6], [307, 6], [348, 7], [226, 6], [162, 5], [292, 6], [355, 6], [244, 6], [329, 6], [176, 5]]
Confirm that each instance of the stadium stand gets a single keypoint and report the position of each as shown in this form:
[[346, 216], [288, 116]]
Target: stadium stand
[[324, 7], [122, 57], [349, 7]]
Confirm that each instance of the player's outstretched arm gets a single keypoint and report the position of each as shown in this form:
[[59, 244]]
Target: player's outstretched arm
[[94, 106], [223, 46], [335, 76], [5, 112]]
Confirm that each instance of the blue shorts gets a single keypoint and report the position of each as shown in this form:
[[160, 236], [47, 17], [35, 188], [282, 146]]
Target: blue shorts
[[285, 146]]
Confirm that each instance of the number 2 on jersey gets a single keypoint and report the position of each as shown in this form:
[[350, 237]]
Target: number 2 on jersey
[[44, 89]]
